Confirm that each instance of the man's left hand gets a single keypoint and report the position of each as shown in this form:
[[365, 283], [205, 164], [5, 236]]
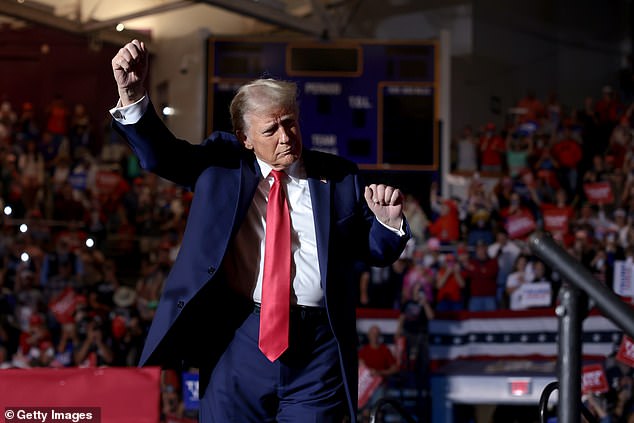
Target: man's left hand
[[386, 203]]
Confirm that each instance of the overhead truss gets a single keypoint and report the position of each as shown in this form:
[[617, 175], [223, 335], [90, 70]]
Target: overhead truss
[[318, 23]]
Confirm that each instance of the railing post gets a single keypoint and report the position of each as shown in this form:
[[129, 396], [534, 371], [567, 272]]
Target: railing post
[[571, 311]]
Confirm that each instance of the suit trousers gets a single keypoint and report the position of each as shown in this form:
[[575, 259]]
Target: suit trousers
[[304, 385]]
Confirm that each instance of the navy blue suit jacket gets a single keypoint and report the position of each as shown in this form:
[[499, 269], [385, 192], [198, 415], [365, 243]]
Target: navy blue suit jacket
[[197, 314]]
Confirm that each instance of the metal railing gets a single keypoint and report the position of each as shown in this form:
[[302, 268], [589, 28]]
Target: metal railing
[[573, 308], [543, 404]]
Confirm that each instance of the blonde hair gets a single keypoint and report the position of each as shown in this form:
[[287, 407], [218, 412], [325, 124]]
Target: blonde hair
[[259, 94]]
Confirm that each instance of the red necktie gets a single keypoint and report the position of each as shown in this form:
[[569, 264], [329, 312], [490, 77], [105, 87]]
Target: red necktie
[[276, 279]]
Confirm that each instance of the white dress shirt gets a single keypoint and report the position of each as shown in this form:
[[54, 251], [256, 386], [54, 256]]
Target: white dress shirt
[[244, 260]]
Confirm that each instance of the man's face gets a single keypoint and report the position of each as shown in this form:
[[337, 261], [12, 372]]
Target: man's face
[[274, 136]]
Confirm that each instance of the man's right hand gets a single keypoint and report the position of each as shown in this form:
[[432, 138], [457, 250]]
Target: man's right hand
[[130, 68]]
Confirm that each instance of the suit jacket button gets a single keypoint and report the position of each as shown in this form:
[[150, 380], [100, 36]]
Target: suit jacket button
[[180, 304], [211, 270]]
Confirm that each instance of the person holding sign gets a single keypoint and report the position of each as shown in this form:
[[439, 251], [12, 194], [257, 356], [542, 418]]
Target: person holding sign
[[381, 363], [521, 274]]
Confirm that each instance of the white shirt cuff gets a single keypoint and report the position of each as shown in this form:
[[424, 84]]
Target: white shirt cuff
[[132, 113], [399, 231]]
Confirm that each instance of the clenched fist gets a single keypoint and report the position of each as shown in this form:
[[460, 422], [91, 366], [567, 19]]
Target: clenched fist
[[386, 203], [130, 68]]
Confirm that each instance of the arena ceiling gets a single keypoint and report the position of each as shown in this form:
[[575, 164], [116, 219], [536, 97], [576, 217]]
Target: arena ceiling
[[156, 19]]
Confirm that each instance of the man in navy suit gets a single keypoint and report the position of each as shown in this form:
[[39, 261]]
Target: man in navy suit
[[209, 313]]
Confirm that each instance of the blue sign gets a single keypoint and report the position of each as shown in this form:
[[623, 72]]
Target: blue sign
[[190, 391]]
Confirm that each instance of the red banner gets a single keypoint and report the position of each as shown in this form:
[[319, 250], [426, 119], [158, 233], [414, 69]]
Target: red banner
[[367, 385], [520, 224], [123, 394], [63, 305], [599, 192], [556, 220], [626, 351], [593, 379]]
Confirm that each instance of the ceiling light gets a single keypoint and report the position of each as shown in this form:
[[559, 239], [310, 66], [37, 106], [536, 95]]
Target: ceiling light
[[120, 27]]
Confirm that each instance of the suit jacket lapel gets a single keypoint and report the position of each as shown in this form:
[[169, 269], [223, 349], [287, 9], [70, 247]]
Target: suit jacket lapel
[[320, 194]]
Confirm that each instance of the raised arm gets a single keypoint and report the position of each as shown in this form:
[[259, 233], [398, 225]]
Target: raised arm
[[159, 151]]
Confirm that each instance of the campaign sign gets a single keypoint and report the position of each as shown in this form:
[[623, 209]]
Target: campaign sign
[[537, 294], [368, 383], [626, 351], [593, 379], [190, 391], [63, 306], [520, 225], [599, 192], [556, 220], [622, 281], [78, 180]]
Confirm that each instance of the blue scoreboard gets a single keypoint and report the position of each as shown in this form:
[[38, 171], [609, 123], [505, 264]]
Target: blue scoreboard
[[372, 102]]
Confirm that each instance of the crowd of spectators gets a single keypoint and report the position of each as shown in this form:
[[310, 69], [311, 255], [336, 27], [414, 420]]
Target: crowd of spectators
[[86, 240], [569, 171], [615, 403], [87, 237]]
